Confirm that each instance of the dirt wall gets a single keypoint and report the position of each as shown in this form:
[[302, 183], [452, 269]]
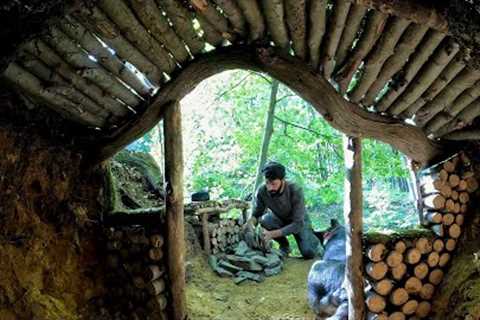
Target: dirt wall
[[49, 211]]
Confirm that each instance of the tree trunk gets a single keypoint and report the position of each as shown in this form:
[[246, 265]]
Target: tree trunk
[[267, 134]]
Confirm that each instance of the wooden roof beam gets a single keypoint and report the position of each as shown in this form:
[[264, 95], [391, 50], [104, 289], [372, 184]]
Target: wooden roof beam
[[418, 11]]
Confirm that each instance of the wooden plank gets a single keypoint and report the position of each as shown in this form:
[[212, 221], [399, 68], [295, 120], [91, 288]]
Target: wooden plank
[[354, 226]]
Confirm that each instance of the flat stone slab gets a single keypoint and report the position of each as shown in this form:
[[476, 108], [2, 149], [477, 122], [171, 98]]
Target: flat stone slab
[[273, 271], [251, 276], [223, 272], [228, 266]]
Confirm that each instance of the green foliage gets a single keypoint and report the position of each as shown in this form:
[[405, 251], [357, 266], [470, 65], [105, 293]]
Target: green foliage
[[223, 127]]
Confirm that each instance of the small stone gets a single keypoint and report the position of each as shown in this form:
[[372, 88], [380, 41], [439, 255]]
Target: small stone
[[255, 267], [273, 271], [273, 260], [260, 259], [228, 266], [239, 279], [241, 248], [223, 273], [213, 261], [251, 276]]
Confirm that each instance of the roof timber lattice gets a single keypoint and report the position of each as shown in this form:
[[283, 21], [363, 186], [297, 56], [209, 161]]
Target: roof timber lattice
[[103, 66]]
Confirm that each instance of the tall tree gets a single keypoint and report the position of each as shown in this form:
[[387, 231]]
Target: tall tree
[[267, 133]]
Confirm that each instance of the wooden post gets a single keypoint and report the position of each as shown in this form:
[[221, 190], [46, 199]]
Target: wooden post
[[172, 127], [206, 234], [353, 282]]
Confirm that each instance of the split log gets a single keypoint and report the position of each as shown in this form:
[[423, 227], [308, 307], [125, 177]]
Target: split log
[[450, 244], [376, 252], [426, 76], [397, 315], [438, 245], [433, 259], [355, 18], [182, 21], [464, 198], [88, 41], [436, 201], [454, 231], [459, 219], [413, 256], [337, 23], [424, 245], [383, 287], [274, 11], [383, 49], [133, 30], [394, 259], [436, 276], [433, 217], [454, 195], [448, 219], [234, 15], [156, 240], [416, 61], [444, 259], [155, 254], [400, 246], [413, 285], [297, 26], [410, 307], [375, 303], [377, 270], [421, 270], [97, 22], [399, 296], [423, 309], [399, 271], [156, 287], [153, 19], [410, 40], [427, 291], [254, 18], [373, 29], [453, 180], [317, 22], [153, 272]]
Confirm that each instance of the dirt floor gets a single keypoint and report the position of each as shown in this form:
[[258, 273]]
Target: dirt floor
[[280, 297]]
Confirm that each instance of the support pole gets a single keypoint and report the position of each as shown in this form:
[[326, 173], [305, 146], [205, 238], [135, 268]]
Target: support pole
[[172, 127], [352, 211]]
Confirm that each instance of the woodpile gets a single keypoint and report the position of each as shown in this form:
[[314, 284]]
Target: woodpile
[[223, 235], [136, 274], [404, 272]]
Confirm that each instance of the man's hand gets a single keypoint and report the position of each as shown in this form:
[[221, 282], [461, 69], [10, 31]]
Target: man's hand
[[269, 235]]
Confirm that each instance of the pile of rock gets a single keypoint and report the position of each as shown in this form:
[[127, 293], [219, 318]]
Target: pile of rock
[[245, 263]]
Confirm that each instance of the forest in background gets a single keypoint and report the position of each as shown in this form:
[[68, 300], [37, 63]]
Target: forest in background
[[224, 122]]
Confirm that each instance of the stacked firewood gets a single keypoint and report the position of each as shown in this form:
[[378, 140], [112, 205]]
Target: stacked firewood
[[136, 274], [224, 234], [404, 273]]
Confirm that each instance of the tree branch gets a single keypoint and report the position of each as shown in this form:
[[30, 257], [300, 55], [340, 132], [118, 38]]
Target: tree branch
[[300, 77]]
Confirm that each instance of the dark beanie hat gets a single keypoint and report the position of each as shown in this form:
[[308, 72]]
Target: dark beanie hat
[[273, 170]]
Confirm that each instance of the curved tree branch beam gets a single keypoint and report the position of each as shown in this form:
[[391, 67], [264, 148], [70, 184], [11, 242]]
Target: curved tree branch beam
[[301, 78]]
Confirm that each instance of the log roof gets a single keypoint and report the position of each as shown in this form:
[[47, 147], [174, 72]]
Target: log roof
[[104, 66]]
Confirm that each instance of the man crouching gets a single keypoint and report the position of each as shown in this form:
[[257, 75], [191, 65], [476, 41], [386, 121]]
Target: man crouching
[[286, 214]]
